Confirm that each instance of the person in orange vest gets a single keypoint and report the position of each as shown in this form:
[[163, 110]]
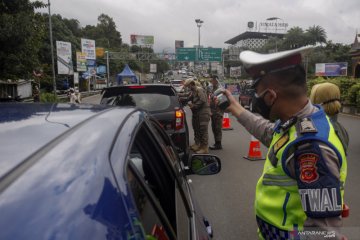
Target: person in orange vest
[[302, 184]]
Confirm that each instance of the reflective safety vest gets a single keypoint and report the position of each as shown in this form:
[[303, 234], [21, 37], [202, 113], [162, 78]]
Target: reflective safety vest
[[278, 203]]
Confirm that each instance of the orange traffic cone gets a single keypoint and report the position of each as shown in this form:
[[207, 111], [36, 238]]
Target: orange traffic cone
[[226, 122], [254, 150]]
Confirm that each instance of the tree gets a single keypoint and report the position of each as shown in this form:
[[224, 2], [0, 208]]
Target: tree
[[294, 38], [21, 32], [316, 34], [107, 29]]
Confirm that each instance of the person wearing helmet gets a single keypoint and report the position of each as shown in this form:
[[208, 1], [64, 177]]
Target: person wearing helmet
[[200, 116], [302, 184]]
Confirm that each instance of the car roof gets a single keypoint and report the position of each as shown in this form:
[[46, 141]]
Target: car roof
[[30, 127], [58, 176]]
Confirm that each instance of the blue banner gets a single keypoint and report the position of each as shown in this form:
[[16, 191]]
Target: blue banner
[[331, 69]]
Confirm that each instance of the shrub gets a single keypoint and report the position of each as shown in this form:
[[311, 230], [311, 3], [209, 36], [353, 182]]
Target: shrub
[[48, 98], [353, 94]]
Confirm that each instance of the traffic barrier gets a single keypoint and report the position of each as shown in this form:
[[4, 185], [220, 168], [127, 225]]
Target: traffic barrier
[[226, 122], [254, 150]]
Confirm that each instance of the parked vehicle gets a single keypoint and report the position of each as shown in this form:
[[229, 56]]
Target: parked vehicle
[[246, 94], [94, 172], [162, 102], [178, 85]]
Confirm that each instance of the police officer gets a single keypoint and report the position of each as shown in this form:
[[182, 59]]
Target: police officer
[[216, 115], [201, 116], [305, 169]]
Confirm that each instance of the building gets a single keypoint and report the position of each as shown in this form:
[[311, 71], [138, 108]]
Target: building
[[252, 40], [355, 56], [249, 40]]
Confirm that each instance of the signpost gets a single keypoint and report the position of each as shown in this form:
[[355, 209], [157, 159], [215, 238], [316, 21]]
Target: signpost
[[152, 67], [88, 47], [64, 61], [186, 54], [210, 54], [205, 54]]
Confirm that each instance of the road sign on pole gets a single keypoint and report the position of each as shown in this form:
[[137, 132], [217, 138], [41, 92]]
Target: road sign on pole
[[186, 54], [205, 54], [210, 54]]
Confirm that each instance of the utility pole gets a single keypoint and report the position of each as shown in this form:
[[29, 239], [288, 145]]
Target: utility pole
[[199, 22], [52, 49], [107, 68]]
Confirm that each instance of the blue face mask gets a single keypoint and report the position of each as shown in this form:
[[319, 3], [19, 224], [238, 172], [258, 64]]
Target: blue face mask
[[259, 105]]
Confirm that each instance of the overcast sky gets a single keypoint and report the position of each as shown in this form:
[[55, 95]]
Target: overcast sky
[[170, 20]]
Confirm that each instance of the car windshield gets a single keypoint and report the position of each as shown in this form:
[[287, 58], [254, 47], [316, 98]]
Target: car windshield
[[151, 102]]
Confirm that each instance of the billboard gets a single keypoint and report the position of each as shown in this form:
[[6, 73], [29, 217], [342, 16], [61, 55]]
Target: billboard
[[153, 68], [179, 44], [141, 40], [88, 47], [235, 71], [100, 52], [81, 62], [64, 61], [331, 69]]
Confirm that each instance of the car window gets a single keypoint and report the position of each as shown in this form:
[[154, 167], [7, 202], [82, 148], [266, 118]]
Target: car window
[[149, 217], [183, 199], [152, 156], [148, 101], [145, 160]]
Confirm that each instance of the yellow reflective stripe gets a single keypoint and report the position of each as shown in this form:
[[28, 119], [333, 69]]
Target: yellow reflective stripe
[[270, 176], [279, 183]]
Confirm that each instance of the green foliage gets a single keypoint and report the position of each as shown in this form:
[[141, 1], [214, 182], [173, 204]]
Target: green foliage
[[313, 82], [349, 88], [354, 95], [294, 38], [21, 33], [315, 34], [48, 98], [327, 52]]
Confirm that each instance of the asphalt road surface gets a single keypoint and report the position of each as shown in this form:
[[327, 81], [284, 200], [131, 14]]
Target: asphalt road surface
[[227, 198]]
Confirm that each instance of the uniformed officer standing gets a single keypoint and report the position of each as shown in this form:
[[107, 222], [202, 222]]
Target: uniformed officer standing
[[216, 115], [302, 184], [201, 116]]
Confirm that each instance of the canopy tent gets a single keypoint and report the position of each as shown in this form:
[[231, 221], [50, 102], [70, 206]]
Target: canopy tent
[[126, 74]]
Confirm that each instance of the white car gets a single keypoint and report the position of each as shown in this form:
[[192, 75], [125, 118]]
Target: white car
[[177, 84]]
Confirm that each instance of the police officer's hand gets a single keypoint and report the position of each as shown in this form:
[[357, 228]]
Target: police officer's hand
[[235, 107]]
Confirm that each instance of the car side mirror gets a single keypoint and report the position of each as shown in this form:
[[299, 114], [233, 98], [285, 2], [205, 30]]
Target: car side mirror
[[205, 164]]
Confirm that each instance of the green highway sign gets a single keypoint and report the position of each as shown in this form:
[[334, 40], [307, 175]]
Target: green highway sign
[[210, 54], [205, 54], [186, 54]]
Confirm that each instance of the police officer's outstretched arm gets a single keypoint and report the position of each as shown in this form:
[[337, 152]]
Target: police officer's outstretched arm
[[257, 126]]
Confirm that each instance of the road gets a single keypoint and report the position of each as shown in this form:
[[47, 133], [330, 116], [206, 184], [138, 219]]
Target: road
[[227, 198]]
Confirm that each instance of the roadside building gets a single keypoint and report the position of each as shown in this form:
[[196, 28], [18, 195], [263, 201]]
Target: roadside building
[[355, 56]]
